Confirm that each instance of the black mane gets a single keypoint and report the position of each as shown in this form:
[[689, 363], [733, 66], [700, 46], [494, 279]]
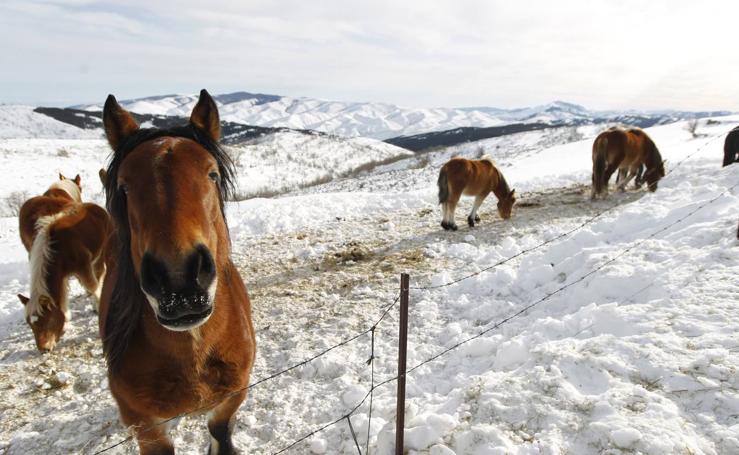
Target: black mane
[[127, 300], [502, 189]]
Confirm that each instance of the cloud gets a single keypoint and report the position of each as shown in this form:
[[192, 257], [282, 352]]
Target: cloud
[[602, 54]]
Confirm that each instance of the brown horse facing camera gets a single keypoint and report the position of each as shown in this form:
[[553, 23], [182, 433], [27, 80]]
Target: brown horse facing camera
[[175, 317], [64, 237], [472, 178], [625, 151]]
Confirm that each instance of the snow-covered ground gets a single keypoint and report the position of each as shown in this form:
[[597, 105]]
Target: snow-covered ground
[[639, 357]]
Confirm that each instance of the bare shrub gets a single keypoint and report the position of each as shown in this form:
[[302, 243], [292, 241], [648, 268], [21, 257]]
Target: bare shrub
[[14, 201], [573, 134], [63, 153], [692, 127]]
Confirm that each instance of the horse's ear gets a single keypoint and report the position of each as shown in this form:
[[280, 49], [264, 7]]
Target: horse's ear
[[61, 177], [24, 300], [205, 116], [103, 176], [118, 123], [77, 179], [512, 192]]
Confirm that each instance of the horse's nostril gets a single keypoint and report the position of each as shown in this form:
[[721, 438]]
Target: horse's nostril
[[154, 276], [201, 267]]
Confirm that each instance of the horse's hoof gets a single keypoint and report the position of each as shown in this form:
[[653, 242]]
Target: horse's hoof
[[477, 219], [471, 221], [453, 227], [445, 225]]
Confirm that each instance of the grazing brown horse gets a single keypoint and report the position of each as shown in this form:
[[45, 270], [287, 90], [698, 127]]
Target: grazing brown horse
[[731, 147], [473, 178], [626, 151], [64, 237], [175, 316]]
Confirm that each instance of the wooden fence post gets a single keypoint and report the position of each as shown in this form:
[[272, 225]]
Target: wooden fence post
[[402, 352]]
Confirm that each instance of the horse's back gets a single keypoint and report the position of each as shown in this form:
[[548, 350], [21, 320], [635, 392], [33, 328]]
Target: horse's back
[[640, 137], [471, 177], [33, 210]]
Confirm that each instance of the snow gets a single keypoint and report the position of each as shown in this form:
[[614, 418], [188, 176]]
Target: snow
[[290, 160], [371, 119], [21, 122], [639, 357]]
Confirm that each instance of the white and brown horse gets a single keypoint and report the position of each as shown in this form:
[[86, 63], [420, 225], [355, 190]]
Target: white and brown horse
[[175, 316], [64, 237], [625, 151], [473, 178]]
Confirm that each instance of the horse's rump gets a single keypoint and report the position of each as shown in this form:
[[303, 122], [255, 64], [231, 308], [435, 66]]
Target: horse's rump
[[81, 232], [34, 210], [731, 147]]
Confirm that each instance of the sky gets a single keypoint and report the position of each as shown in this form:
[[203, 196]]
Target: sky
[[657, 54]]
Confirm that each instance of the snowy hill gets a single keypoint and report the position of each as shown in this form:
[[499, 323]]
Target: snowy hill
[[637, 354], [382, 120], [23, 122]]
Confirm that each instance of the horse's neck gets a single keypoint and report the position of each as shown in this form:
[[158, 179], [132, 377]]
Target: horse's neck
[[53, 284], [500, 188], [652, 158]]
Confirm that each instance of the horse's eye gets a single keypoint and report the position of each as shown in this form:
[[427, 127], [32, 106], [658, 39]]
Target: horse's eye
[[213, 176], [123, 187]]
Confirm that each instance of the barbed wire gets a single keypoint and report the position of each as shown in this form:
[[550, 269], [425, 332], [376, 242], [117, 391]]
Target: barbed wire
[[372, 329], [559, 236], [266, 378], [510, 318]]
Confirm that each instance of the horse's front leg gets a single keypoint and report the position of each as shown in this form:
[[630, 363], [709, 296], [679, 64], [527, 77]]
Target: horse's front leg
[[624, 182], [221, 422], [639, 180], [620, 176], [151, 435]]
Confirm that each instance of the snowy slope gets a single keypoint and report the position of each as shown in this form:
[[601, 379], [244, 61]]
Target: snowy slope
[[372, 119], [286, 161], [22, 122], [639, 357]]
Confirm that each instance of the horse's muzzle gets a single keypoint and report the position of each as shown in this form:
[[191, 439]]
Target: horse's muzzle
[[184, 312], [184, 292]]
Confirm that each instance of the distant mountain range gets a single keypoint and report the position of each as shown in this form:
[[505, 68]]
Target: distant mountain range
[[383, 120]]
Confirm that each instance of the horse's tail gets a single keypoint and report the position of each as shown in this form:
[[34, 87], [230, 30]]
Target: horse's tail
[[39, 257], [443, 183], [600, 148]]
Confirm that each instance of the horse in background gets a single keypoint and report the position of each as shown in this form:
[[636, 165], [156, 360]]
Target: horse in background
[[626, 151], [64, 237], [175, 316], [472, 178], [731, 147]]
